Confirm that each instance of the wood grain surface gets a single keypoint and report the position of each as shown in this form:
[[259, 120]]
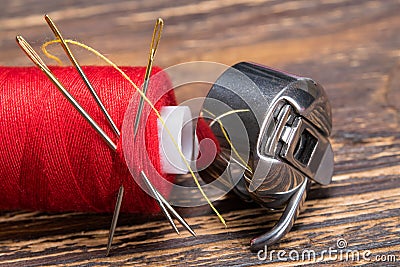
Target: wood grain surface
[[351, 47]]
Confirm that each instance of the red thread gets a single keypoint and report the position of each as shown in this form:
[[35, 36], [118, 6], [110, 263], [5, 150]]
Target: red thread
[[51, 158]]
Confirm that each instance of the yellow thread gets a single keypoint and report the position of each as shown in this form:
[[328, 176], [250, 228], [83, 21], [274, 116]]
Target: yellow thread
[[226, 114], [97, 53], [226, 135], [51, 56]]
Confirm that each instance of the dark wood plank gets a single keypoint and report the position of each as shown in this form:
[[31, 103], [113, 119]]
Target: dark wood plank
[[351, 47]]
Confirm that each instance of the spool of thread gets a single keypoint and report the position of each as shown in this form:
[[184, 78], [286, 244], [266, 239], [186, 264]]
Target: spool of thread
[[51, 159]]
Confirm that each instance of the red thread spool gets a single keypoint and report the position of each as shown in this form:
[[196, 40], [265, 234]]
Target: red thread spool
[[51, 158]]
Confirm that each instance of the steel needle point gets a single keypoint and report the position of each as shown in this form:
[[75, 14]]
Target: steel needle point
[[115, 218], [160, 203], [176, 215], [165, 202]]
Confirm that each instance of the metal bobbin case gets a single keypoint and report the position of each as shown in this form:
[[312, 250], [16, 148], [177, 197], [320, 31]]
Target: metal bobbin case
[[288, 121]]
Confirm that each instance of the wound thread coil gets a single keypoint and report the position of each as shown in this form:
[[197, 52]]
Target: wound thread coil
[[52, 159]]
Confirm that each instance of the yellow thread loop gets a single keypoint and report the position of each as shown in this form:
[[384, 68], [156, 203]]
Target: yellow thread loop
[[49, 55]]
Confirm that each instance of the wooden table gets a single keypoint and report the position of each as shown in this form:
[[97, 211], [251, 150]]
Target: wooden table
[[351, 47]]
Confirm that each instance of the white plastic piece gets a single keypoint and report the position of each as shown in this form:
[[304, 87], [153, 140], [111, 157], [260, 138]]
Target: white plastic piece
[[178, 120]]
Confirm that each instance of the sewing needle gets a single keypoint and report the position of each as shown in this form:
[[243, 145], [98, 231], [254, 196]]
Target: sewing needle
[[153, 49], [65, 46], [71, 57]]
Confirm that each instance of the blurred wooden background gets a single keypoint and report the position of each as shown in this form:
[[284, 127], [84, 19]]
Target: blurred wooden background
[[350, 47]]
